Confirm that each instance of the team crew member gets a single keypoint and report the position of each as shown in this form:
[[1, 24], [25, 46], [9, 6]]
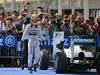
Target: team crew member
[[33, 33]]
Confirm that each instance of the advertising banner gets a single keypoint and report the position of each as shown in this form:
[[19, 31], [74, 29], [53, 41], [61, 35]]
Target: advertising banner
[[8, 41]]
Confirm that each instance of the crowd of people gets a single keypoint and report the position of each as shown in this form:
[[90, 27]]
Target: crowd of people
[[14, 22]]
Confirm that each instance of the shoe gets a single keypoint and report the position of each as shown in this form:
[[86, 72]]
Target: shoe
[[30, 69], [22, 67], [35, 68]]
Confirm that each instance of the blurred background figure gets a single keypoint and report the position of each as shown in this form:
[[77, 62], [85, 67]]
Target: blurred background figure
[[2, 23]]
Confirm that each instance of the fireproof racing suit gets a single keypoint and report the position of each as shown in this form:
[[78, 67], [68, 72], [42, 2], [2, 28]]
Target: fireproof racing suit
[[33, 34]]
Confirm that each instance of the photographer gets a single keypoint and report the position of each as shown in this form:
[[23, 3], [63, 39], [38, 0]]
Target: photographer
[[45, 30], [24, 45]]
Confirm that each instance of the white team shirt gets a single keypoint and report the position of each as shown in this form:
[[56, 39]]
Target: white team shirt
[[32, 32]]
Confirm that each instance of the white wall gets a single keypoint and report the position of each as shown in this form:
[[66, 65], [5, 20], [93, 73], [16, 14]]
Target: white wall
[[94, 4]]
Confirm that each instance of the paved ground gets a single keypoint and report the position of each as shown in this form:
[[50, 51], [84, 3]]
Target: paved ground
[[50, 71]]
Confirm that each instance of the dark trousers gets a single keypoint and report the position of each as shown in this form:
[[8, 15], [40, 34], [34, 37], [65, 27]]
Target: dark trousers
[[25, 52]]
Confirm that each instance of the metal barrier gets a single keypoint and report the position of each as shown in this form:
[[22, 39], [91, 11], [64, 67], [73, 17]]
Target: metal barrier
[[8, 50], [8, 46]]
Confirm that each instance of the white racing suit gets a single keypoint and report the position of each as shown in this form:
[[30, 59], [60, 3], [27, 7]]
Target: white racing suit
[[33, 33]]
